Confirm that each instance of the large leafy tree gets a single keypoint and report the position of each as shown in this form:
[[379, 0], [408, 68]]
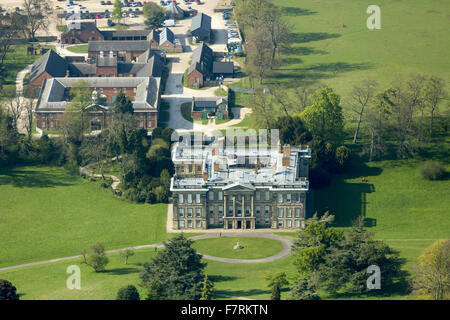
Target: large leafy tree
[[95, 257], [176, 273], [292, 130], [313, 243], [324, 118], [433, 272], [154, 15], [345, 264], [36, 17]]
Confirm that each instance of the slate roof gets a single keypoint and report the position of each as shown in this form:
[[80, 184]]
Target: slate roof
[[166, 35], [201, 25], [118, 45], [209, 104], [54, 93], [153, 68], [201, 54], [82, 69], [223, 67], [110, 34], [51, 63], [81, 26]]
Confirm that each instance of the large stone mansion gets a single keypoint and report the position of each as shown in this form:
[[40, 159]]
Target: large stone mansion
[[217, 187]]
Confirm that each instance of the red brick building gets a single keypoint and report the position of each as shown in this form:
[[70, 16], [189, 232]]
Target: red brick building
[[55, 96], [200, 69], [164, 40]]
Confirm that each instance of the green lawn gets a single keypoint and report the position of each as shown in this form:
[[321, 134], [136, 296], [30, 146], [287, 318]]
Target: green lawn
[[82, 48], [253, 248], [412, 39], [406, 211], [15, 61], [47, 213]]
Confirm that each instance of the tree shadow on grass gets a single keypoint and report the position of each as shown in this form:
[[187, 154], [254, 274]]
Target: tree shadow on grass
[[305, 37], [242, 293], [311, 74], [219, 278], [35, 178], [347, 201], [120, 271], [294, 11]]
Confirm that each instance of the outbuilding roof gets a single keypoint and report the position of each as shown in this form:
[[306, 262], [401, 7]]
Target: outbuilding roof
[[201, 25], [50, 62]]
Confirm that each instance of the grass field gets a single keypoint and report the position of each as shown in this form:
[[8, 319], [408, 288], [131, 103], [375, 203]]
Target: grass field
[[15, 61], [47, 213], [253, 248], [412, 39], [82, 48], [49, 281], [403, 209]]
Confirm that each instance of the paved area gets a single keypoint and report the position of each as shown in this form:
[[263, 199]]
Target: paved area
[[285, 251]]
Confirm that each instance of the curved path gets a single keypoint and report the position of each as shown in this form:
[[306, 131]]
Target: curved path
[[286, 244]]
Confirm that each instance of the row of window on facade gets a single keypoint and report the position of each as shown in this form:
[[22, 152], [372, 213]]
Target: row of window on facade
[[282, 212], [288, 197], [288, 223]]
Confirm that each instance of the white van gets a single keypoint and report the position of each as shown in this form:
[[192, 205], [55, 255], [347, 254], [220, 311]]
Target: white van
[[169, 23]]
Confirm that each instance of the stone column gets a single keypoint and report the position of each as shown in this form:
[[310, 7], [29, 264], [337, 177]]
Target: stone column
[[234, 206], [252, 202], [224, 206]]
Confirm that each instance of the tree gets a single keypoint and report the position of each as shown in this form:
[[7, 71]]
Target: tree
[[378, 114], [7, 291], [345, 264], [95, 150], [176, 273], [208, 289], [259, 55], [154, 15], [9, 30], [361, 96], [36, 17], [433, 93], [324, 117], [433, 272], [15, 107], [95, 257], [276, 292], [126, 253], [123, 104], [292, 130], [28, 117], [117, 11], [128, 293], [313, 242], [278, 30], [303, 289], [277, 281]]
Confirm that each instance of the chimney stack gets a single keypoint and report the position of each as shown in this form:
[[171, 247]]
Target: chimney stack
[[287, 150], [280, 149], [101, 54], [111, 54], [205, 176], [216, 166], [285, 161]]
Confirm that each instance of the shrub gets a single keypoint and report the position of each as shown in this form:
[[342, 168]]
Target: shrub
[[128, 293], [7, 291], [432, 170], [342, 157]]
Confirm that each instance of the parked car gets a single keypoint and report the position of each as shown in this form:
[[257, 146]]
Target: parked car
[[98, 16], [102, 3], [108, 3], [163, 3], [110, 23], [132, 15]]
